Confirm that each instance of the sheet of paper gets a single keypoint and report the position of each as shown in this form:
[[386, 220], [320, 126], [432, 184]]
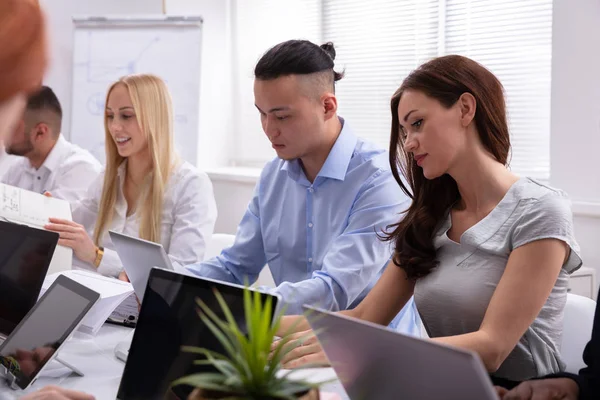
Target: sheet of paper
[[112, 293], [34, 209]]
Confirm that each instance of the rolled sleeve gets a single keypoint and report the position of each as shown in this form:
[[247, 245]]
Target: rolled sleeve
[[243, 261]]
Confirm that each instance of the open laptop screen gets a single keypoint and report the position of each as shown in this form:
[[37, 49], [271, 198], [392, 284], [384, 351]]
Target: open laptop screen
[[168, 320], [25, 255]]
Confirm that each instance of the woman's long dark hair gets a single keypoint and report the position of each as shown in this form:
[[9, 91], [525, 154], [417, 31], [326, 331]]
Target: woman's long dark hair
[[444, 79]]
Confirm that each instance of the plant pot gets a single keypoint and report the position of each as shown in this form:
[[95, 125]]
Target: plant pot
[[200, 394]]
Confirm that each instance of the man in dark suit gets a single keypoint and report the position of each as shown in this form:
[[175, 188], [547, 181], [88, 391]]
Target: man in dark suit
[[565, 386]]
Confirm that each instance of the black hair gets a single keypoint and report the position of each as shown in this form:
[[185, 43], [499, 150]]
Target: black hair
[[297, 57], [44, 99]]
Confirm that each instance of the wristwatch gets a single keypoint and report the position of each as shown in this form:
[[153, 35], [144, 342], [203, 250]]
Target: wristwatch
[[99, 254]]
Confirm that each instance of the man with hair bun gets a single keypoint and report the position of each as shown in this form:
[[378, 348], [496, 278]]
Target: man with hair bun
[[321, 205]]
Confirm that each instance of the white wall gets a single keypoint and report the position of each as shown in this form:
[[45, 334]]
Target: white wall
[[59, 15], [575, 121], [216, 111]]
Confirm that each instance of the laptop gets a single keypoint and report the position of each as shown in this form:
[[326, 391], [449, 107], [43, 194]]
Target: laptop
[[168, 320], [25, 255], [41, 334], [373, 361], [138, 256]]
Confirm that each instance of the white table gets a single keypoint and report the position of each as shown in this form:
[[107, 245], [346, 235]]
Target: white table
[[94, 356]]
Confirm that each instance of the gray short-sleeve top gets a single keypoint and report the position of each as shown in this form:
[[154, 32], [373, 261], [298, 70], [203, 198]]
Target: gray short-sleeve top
[[453, 298]]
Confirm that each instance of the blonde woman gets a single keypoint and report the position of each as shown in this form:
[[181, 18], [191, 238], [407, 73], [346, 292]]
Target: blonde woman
[[146, 190]]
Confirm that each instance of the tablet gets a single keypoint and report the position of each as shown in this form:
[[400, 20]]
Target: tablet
[[44, 330]]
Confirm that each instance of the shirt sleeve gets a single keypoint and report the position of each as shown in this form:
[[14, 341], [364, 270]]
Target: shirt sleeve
[[549, 217], [357, 255], [73, 181], [195, 214], [85, 212], [243, 261]]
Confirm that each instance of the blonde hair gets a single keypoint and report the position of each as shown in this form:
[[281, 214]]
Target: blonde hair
[[153, 109]]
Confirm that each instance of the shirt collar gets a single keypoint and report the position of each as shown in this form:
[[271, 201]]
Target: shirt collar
[[336, 163], [54, 158]]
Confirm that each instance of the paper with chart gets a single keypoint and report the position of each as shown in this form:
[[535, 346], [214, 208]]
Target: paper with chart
[[34, 209]]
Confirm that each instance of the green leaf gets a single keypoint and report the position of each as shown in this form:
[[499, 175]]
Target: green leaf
[[219, 334], [203, 351], [245, 367], [210, 381], [232, 348]]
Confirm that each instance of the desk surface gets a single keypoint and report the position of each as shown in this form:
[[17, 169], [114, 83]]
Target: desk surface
[[94, 356]]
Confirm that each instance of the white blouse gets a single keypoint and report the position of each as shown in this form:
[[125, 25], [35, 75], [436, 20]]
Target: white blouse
[[188, 218]]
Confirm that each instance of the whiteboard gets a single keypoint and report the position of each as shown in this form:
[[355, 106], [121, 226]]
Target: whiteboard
[[105, 49]]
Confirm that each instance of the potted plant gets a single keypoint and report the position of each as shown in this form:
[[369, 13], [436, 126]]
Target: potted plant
[[249, 367]]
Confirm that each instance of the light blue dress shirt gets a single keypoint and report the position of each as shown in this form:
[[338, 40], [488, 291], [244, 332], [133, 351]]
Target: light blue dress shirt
[[319, 239]]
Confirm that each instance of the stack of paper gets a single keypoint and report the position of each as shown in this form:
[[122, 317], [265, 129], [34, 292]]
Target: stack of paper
[[34, 209], [112, 293]]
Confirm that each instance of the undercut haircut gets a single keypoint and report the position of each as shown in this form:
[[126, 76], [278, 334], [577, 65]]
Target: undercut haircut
[[312, 63], [45, 101]]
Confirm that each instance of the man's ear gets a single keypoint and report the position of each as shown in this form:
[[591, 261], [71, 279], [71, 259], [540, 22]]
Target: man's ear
[[41, 131], [329, 102]]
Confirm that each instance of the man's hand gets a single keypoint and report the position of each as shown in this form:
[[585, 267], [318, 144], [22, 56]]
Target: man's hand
[[57, 393], [307, 350], [542, 389]]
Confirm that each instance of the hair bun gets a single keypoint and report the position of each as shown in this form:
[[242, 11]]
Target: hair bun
[[329, 49]]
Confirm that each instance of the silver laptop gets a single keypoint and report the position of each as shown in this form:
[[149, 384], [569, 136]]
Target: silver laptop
[[139, 256], [37, 340], [374, 362]]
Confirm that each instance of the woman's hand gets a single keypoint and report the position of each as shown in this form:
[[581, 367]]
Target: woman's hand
[[74, 236], [306, 350], [123, 276]]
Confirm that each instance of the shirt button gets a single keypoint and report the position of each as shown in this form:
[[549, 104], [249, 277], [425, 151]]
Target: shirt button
[[310, 189], [310, 224], [310, 260]]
